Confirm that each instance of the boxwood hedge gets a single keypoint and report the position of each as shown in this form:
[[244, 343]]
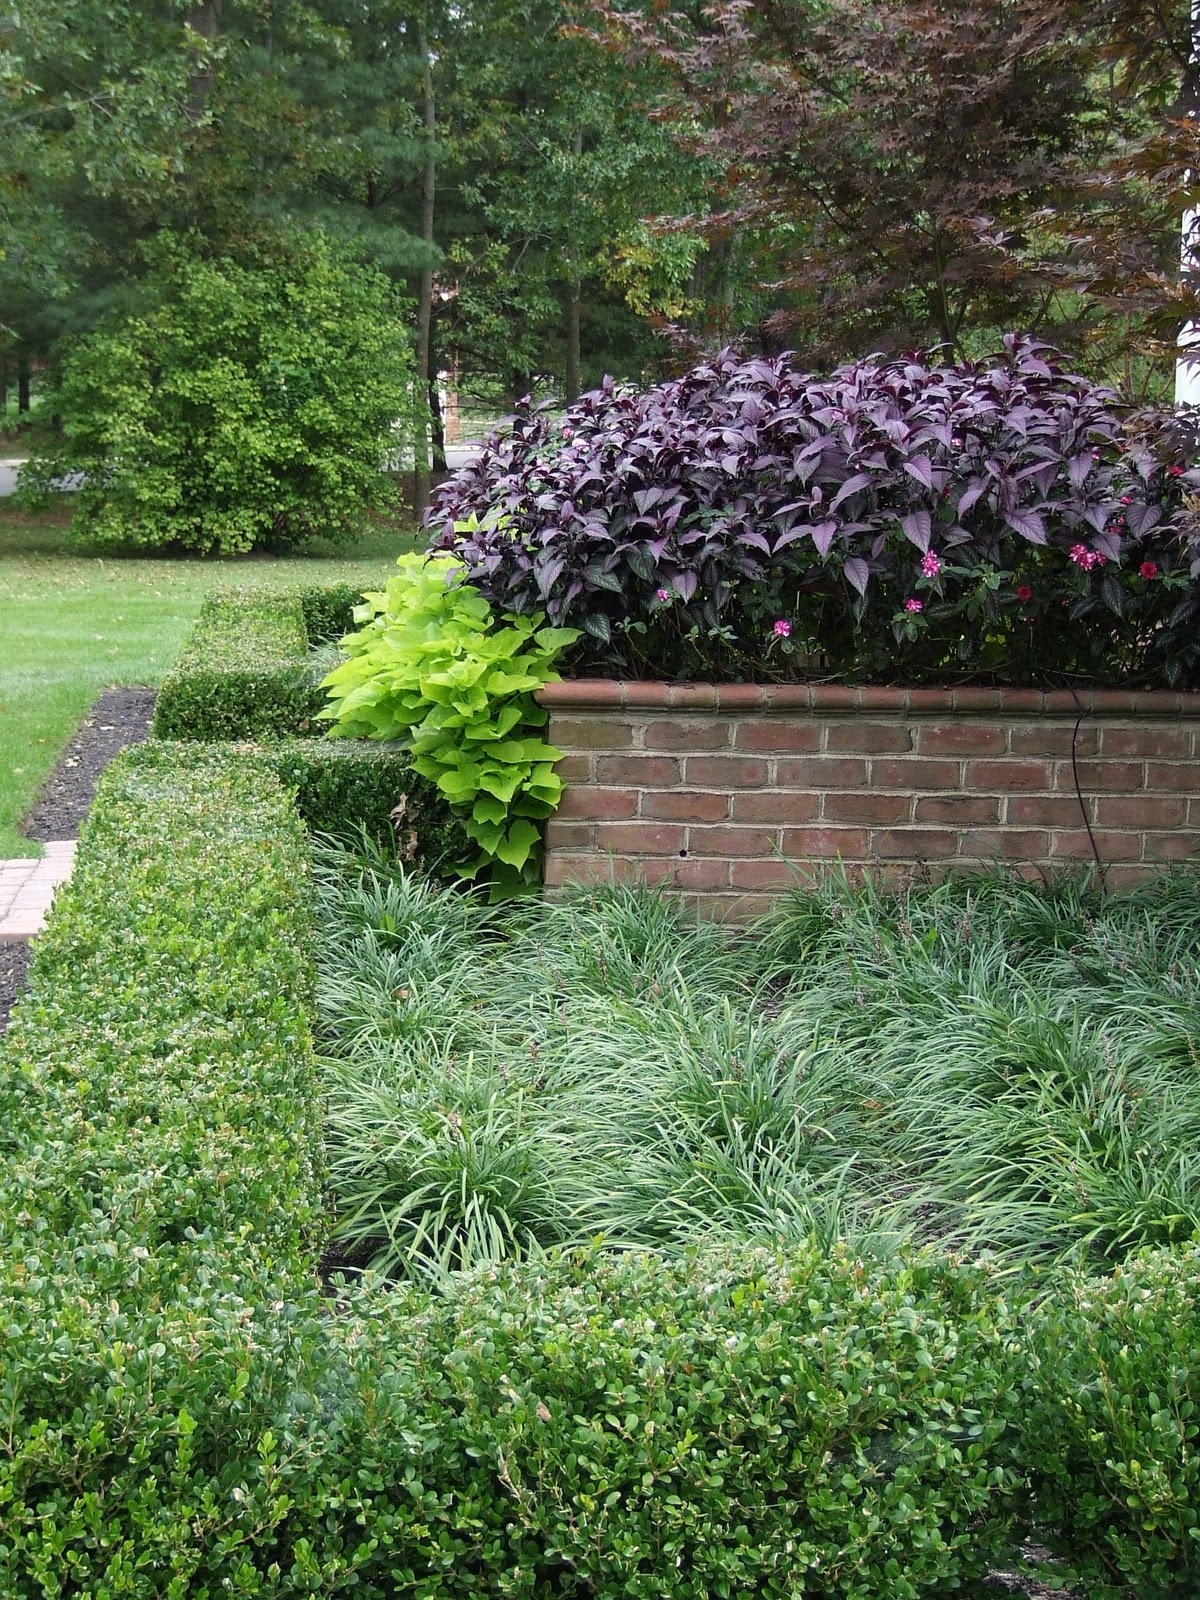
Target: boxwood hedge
[[246, 669], [184, 1412], [160, 1195]]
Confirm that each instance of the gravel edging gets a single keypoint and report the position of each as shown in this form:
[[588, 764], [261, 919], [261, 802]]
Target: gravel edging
[[14, 962]]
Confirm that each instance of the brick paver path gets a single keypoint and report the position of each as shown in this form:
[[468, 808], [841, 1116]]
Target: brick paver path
[[27, 888]]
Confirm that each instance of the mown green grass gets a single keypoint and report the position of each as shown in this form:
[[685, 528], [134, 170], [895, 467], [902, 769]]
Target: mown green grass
[[986, 1065], [72, 625]]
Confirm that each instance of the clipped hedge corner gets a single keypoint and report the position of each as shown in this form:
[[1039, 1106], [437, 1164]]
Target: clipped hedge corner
[[245, 670]]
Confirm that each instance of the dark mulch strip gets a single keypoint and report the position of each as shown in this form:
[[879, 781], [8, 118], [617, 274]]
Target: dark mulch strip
[[119, 717], [14, 958]]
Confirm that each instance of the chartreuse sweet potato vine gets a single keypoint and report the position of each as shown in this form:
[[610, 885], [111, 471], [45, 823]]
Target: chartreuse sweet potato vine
[[433, 667]]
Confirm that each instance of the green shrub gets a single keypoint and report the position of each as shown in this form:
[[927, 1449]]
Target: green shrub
[[349, 788], [244, 672], [160, 1198], [247, 404], [1111, 1437], [433, 667], [742, 1423], [328, 609]]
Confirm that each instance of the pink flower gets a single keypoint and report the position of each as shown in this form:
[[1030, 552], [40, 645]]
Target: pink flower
[[1083, 557], [663, 594], [782, 629], [914, 605], [1175, 471], [1148, 570], [1126, 499], [1024, 592], [931, 565]]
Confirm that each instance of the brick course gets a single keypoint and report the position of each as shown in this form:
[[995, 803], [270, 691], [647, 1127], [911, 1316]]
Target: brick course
[[733, 792]]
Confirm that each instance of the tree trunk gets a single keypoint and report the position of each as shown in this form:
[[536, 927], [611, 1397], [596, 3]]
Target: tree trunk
[[23, 383], [574, 300], [3, 384], [437, 428], [574, 308], [425, 373], [204, 19]]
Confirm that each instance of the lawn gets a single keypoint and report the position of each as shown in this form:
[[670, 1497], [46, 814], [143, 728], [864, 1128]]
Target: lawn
[[72, 625]]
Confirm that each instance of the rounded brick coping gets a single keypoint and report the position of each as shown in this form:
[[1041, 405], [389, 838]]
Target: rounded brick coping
[[613, 694]]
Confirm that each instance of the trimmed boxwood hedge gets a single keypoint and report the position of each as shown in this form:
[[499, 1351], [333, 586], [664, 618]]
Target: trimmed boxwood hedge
[[328, 609], [348, 787], [183, 1413], [160, 1194], [246, 669]]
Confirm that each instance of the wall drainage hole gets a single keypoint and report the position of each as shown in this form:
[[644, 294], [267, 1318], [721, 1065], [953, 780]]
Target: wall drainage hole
[[683, 854]]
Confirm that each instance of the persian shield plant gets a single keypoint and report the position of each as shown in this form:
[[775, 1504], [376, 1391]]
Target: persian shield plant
[[896, 519]]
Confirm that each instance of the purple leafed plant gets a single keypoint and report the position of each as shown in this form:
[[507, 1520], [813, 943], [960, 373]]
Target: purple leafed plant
[[679, 525]]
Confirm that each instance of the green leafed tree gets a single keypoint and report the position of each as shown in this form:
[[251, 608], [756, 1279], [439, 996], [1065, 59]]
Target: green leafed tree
[[560, 165], [244, 404]]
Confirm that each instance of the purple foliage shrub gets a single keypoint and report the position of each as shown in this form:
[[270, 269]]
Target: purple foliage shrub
[[1000, 520]]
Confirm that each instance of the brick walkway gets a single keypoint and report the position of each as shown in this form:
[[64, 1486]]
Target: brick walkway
[[27, 888]]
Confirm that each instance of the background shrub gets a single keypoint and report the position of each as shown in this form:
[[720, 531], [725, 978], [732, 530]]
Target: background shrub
[[895, 520], [247, 404]]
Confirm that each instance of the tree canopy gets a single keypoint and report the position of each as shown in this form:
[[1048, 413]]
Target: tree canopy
[[568, 187]]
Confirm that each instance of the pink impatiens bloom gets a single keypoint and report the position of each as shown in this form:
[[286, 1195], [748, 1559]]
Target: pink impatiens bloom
[[782, 629], [1148, 570], [663, 594], [931, 565], [1175, 471], [1024, 592], [1083, 557], [914, 605]]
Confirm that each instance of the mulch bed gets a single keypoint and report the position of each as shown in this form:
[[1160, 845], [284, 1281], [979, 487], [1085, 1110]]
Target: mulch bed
[[119, 717], [14, 959]]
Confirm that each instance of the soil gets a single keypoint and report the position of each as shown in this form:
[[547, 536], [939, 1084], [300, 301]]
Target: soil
[[119, 717], [14, 959]]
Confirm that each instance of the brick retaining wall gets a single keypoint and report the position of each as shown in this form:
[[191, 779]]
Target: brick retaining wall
[[719, 787]]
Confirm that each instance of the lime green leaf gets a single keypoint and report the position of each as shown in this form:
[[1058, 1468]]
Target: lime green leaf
[[516, 849]]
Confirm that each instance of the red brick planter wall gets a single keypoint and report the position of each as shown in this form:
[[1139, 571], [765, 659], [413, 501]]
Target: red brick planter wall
[[718, 788]]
